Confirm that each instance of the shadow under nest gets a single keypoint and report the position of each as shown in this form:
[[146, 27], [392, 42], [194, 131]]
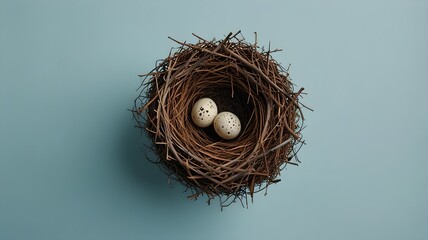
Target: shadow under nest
[[240, 79]]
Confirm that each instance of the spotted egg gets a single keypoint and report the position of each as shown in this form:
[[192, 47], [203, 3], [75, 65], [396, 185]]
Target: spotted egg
[[204, 112], [227, 125]]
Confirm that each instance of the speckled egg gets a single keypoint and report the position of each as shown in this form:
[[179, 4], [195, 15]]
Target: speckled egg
[[227, 125], [204, 112]]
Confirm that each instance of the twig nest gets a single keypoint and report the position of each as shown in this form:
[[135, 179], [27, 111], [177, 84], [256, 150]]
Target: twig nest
[[250, 89]]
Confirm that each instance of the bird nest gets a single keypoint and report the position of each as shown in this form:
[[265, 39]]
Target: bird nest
[[241, 78]]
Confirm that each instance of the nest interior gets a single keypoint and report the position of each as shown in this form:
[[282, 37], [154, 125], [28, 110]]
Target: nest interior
[[241, 78]]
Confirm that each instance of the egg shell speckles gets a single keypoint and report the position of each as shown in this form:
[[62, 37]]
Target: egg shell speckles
[[204, 112], [227, 125]]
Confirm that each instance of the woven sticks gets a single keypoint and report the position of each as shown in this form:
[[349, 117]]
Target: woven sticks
[[240, 78]]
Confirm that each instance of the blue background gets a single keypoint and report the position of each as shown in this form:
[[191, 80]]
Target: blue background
[[71, 162]]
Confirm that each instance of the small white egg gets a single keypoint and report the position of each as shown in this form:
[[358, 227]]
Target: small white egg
[[204, 112], [227, 125]]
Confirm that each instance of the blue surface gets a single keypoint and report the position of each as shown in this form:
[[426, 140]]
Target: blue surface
[[71, 165]]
